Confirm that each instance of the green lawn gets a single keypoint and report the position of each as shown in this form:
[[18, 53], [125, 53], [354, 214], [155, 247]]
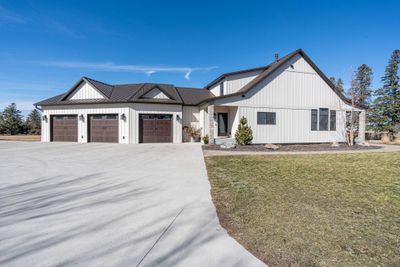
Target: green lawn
[[317, 210]]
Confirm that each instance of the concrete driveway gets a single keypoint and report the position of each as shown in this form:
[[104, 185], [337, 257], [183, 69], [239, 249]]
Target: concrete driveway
[[110, 205]]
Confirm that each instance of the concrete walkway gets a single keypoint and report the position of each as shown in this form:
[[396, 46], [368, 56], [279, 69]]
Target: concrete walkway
[[110, 205], [382, 148]]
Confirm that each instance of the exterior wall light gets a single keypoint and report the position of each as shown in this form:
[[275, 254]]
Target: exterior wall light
[[44, 118], [81, 117], [178, 118], [123, 117]]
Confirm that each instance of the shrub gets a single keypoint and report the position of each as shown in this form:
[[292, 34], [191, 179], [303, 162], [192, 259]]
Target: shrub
[[206, 139], [244, 134]]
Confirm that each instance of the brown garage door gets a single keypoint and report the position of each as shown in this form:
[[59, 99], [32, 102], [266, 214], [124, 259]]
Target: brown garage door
[[103, 128], [64, 128], [155, 128]]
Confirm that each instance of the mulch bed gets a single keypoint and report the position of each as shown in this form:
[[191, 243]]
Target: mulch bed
[[295, 147]]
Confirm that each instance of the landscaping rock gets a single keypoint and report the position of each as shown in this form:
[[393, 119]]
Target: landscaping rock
[[227, 145], [364, 144], [271, 146], [335, 144]]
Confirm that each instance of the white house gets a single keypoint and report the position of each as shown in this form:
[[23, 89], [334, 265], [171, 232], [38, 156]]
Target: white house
[[287, 101]]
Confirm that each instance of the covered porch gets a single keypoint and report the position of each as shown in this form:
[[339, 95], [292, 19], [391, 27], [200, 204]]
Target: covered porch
[[219, 122]]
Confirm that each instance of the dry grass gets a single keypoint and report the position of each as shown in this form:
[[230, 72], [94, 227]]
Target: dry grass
[[28, 138], [317, 210], [396, 141], [385, 139]]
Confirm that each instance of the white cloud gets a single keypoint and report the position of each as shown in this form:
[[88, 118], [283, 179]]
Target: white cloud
[[8, 16], [187, 71]]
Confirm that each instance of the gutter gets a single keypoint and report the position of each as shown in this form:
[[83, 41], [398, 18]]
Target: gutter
[[37, 107]]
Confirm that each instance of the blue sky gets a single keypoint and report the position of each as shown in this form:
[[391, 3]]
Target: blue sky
[[46, 46]]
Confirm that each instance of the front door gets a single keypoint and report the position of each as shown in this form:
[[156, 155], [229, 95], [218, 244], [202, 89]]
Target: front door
[[222, 124]]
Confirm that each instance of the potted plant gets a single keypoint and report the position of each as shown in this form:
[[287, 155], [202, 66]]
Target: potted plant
[[193, 133]]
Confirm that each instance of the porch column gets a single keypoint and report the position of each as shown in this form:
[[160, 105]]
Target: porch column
[[361, 127], [210, 111]]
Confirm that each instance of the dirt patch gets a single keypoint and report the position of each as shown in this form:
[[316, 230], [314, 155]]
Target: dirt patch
[[297, 147]]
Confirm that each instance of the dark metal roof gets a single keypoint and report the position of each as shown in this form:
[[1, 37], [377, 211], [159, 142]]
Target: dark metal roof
[[124, 93], [193, 96]]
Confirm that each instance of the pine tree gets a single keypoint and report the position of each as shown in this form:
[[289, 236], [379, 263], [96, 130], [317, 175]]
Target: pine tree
[[33, 122], [2, 129], [244, 134], [12, 120], [361, 88], [385, 111], [337, 83]]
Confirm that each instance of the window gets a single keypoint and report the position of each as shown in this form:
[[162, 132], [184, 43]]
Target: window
[[97, 117], [221, 89], [314, 120], [323, 119], [266, 118], [333, 120]]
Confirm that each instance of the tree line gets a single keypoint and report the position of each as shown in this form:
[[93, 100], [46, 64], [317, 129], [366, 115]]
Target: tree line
[[383, 113], [12, 122]]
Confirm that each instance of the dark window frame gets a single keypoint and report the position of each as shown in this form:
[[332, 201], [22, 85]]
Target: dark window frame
[[332, 120], [323, 122], [314, 119], [221, 89], [266, 118]]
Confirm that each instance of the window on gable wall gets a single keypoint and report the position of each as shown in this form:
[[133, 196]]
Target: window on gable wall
[[314, 120], [221, 89], [323, 119], [333, 120]]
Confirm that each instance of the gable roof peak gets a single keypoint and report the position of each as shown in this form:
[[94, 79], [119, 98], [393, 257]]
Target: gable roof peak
[[96, 81]]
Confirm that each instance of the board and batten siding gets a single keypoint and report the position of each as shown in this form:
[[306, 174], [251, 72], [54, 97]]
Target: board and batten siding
[[292, 91], [86, 91], [156, 94], [174, 110], [234, 83], [292, 126], [85, 110], [191, 116]]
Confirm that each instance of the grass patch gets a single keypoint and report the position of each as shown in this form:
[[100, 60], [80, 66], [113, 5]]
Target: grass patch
[[316, 210], [27, 138]]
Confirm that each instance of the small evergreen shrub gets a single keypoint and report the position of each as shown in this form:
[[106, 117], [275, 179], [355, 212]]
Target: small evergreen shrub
[[206, 139], [244, 134]]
